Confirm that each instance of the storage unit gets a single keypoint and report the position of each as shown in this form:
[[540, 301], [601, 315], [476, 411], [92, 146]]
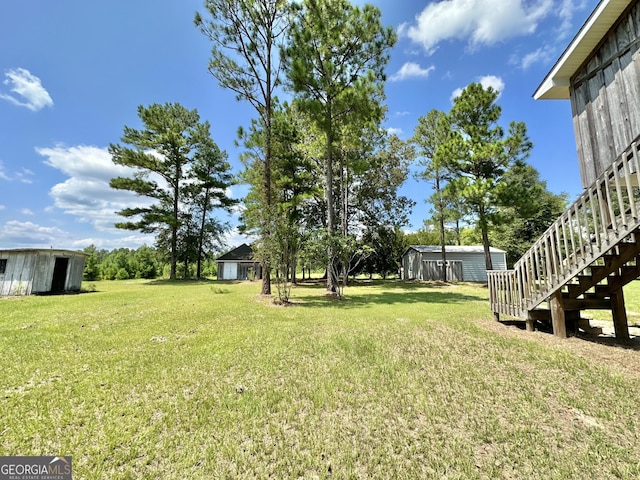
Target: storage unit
[[464, 263], [38, 271]]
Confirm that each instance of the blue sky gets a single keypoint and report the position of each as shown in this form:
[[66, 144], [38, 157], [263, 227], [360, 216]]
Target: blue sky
[[73, 72]]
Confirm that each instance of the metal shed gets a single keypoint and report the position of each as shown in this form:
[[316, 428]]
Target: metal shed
[[33, 271], [238, 264], [465, 263]]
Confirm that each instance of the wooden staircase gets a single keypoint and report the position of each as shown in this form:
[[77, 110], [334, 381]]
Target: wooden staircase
[[583, 259]]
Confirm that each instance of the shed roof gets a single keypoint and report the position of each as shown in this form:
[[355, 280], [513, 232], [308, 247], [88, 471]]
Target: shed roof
[[56, 251], [453, 249], [243, 252], [556, 83]]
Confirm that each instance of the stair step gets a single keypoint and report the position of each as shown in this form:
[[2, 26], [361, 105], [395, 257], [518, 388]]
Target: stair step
[[584, 325], [586, 277], [602, 291], [574, 290]]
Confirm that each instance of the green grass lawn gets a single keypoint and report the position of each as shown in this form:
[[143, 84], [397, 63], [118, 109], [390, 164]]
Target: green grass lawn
[[207, 380]]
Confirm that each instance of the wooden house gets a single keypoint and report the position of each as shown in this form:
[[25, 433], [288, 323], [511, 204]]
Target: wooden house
[[588, 254], [238, 264], [40, 271], [464, 263], [600, 74]]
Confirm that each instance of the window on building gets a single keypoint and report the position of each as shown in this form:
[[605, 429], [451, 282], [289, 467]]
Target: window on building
[[3, 265]]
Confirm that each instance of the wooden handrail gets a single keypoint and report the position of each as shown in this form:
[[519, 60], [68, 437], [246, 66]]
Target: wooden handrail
[[604, 213]]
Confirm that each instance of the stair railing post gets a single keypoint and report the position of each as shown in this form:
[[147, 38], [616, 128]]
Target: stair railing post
[[558, 315], [619, 314], [530, 322]]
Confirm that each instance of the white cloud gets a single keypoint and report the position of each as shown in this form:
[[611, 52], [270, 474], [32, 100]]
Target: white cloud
[[3, 173], [33, 235], [233, 238], [487, 81], [238, 209], [130, 241], [2, 207], [394, 131], [480, 22], [541, 55], [28, 90], [565, 12], [411, 70], [22, 176], [492, 81], [402, 114], [86, 194], [26, 211]]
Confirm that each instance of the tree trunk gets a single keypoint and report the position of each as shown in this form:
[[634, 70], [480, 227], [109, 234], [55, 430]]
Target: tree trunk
[[484, 228], [442, 233], [201, 236], [294, 267], [174, 227], [331, 280], [344, 192], [266, 268]]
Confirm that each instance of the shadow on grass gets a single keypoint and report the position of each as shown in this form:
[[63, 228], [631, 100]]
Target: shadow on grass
[[632, 344], [389, 284], [396, 293], [191, 282]]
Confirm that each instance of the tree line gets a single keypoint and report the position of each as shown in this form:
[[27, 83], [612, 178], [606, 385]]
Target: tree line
[[324, 175], [144, 262]]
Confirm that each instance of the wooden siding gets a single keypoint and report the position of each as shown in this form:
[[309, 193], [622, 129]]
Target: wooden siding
[[605, 97], [31, 271]]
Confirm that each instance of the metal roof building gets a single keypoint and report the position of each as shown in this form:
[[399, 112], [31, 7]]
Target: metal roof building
[[466, 262]]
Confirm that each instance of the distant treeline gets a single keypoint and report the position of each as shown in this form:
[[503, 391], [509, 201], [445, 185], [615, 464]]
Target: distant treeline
[[144, 262]]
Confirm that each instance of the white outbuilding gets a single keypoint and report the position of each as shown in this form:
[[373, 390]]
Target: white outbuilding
[[29, 271], [464, 263]]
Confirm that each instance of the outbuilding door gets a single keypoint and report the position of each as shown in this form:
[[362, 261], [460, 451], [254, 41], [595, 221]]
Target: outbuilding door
[[433, 270], [230, 271], [59, 274]]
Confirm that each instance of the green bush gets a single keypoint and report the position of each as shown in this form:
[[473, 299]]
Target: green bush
[[122, 274]]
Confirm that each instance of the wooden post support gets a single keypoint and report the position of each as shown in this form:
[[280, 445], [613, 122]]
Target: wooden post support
[[496, 316], [530, 322], [557, 315], [619, 314]]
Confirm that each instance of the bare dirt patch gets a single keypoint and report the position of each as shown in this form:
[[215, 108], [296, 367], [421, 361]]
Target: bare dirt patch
[[603, 350]]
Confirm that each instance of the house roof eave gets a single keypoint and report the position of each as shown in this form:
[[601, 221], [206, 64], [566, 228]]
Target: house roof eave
[[556, 84]]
